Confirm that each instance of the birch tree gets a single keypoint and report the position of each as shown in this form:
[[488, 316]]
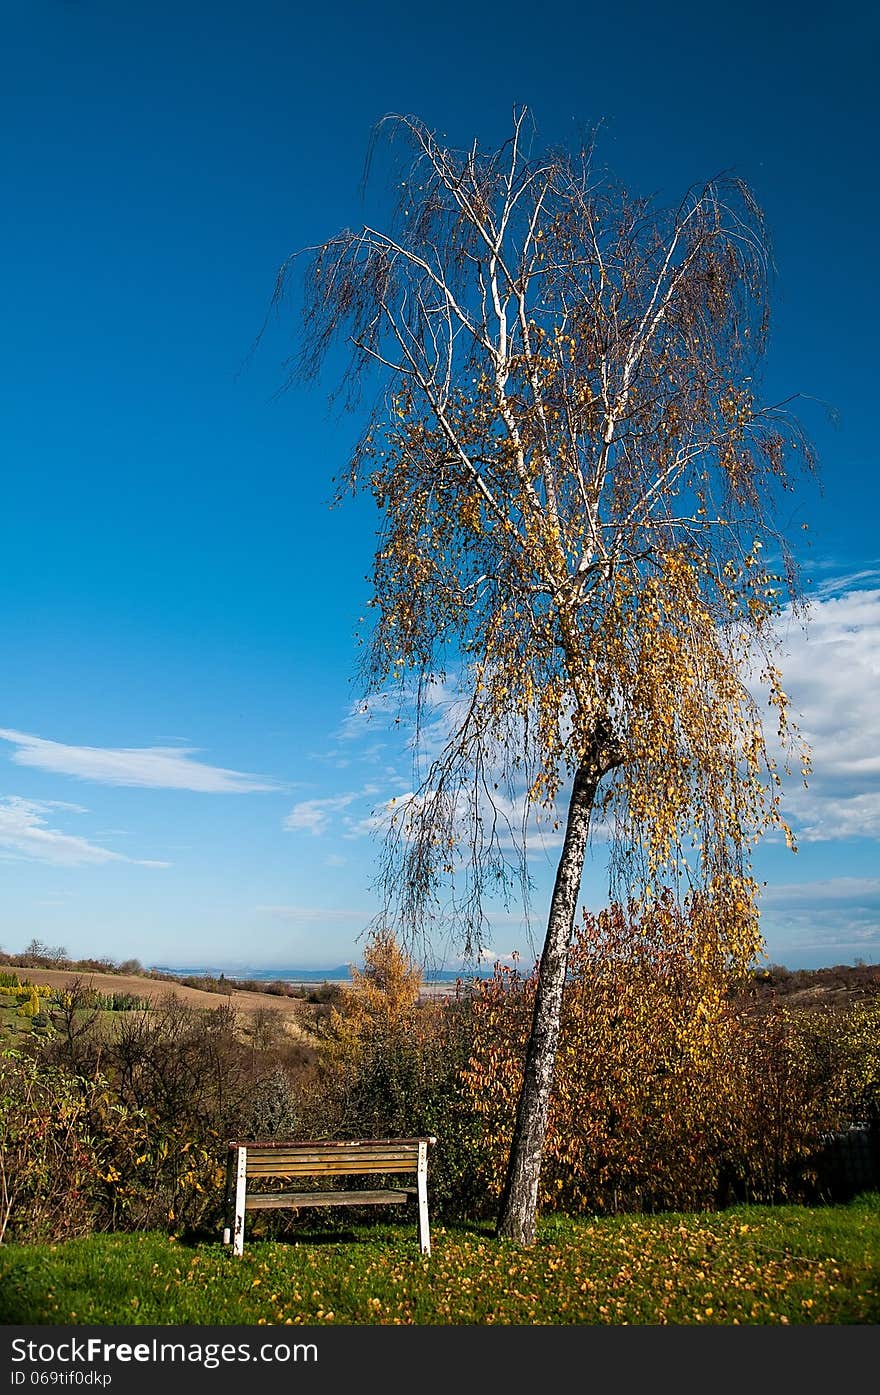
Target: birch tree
[[577, 485]]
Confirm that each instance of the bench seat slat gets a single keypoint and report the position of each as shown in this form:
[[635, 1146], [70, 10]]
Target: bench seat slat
[[328, 1154], [263, 1156], [318, 1145], [334, 1169], [265, 1201]]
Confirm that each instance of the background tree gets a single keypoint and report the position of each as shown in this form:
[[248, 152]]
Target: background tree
[[384, 993], [379, 1005], [578, 487]]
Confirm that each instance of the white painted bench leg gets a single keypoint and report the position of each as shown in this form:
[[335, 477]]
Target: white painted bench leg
[[422, 1186], [240, 1184]]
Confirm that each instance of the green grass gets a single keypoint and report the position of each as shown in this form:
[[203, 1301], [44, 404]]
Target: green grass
[[748, 1265]]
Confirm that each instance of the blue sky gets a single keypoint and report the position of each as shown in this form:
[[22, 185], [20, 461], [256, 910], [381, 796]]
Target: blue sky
[[181, 779]]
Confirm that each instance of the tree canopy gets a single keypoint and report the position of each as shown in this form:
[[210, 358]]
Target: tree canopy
[[578, 484]]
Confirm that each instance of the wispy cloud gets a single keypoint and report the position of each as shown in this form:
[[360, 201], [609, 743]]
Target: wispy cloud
[[149, 767], [842, 583], [312, 914], [381, 818], [314, 815], [25, 834], [444, 708]]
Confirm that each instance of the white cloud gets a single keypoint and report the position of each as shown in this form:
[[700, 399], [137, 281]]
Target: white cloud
[[510, 960], [836, 889], [831, 669], [836, 915], [151, 767], [832, 673], [24, 833]]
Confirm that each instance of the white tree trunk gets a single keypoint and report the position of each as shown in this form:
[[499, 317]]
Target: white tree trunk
[[519, 1199]]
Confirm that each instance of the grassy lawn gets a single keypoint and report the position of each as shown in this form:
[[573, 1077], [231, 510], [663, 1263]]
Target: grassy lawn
[[748, 1265]]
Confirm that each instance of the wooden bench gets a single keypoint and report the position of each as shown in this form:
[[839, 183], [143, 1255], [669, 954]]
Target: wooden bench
[[319, 1158]]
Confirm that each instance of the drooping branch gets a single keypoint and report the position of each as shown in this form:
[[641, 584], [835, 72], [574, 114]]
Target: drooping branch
[[575, 476]]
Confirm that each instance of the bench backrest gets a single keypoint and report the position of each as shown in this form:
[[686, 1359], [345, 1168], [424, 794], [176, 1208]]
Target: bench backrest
[[313, 1158]]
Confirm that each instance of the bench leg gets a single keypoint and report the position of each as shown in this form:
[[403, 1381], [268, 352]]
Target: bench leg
[[240, 1184], [422, 1185]]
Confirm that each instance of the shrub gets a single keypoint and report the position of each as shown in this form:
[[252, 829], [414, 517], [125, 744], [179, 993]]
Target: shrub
[[50, 1168], [273, 1108], [798, 1076], [29, 1006], [120, 1002], [74, 1158], [266, 1028], [636, 1118], [671, 1089], [26, 989], [326, 993]]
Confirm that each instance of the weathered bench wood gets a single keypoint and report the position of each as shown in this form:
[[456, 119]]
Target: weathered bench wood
[[259, 1158]]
